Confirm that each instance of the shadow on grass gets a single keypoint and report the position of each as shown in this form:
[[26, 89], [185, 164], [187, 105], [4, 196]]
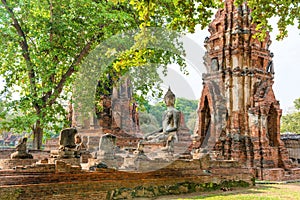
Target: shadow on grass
[[234, 193], [258, 192]]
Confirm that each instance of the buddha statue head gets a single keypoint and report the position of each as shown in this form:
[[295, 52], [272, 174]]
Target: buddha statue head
[[169, 98]]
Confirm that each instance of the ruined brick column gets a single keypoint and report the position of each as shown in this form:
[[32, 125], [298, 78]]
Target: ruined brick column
[[124, 108], [117, 115], [239, 116]]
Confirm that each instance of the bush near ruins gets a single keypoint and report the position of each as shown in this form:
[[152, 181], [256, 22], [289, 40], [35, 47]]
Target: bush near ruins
[[291, 122]]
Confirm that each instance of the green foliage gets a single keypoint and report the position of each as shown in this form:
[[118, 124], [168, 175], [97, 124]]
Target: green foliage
[[191, 121], [286, 11], [180, 16], [187, 107], [2, 115], [297, 103], [5, 115], [148, 123], [157, 111], [43, 43], [291, 122]]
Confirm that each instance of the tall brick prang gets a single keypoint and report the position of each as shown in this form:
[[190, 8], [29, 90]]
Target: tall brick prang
[[239, 116]]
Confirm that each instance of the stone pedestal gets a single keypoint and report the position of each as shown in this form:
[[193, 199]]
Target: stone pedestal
[[71, 165], [11, 163], [113, 163], [84, 156], [21, 155], [129, 164], [71, 161], [64, 154]]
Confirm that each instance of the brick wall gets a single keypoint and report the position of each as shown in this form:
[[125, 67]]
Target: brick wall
[[118, 186], [178, 177]]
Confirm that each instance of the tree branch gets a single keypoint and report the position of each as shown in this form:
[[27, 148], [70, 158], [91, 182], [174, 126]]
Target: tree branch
[[24, 45], [51, 21], [59, 87]]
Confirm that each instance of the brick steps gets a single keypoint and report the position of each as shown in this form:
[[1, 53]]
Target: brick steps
[[15, 178]]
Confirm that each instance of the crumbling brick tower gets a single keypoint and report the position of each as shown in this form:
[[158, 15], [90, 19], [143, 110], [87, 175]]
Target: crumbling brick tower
[[118, 116], [119, 110], [239, 116]]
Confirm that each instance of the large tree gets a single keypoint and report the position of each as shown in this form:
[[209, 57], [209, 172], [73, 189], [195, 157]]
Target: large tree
[[43, 43]]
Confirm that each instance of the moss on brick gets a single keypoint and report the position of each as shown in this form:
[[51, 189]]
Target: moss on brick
[[10, 193], [178, 188]]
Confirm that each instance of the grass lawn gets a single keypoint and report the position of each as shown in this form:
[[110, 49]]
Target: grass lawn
[[259, 192]]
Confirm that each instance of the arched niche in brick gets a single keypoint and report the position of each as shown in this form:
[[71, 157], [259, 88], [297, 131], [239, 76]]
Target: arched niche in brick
[[272, 126]]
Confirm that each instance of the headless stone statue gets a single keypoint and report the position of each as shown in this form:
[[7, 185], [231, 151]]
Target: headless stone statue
[[170, 124], [21, 152], [67, 138], [107, 146], [69, 144]]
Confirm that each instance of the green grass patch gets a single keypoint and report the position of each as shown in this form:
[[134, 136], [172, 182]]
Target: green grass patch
[[258, 192]]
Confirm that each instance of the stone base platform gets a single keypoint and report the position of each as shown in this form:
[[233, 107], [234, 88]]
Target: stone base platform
[[152, 147], [70, 161], [178, 177], [12, 163], [278, 174], [84, 156]]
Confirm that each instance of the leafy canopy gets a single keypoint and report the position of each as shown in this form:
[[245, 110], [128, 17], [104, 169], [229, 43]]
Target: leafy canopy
[[43, 43], [287, 13], [291, 122]]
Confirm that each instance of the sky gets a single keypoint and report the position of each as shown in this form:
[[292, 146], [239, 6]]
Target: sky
[[286, 63], [287, 68]]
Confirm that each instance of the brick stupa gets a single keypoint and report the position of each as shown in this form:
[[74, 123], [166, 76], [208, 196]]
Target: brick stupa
[[239, 116]]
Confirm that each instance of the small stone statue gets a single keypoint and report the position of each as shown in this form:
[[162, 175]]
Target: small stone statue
[[78, 143], [170, 124], [107, 146], [21, 152], [80, 147], [214, 64], [270, 67]]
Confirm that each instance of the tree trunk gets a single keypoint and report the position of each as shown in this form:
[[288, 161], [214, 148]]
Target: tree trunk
[[37, 135]]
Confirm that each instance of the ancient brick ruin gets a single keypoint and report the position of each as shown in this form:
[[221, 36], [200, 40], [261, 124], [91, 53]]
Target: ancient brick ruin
[[118, 116], [236, 140], [292, 144], [239, 116], [60, 181]]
